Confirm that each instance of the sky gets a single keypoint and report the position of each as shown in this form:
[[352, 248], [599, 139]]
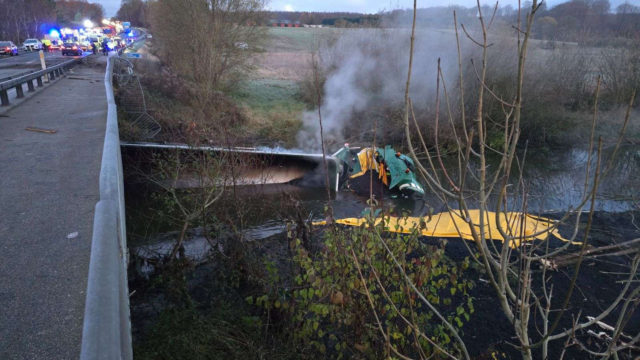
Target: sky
[[110, 6], [361, 6]]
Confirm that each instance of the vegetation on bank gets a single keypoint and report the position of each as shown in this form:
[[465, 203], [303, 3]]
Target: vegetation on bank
[[362, 292], [308, 295]]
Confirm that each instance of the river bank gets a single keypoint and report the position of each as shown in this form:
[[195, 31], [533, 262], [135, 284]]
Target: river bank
[[214, 290]]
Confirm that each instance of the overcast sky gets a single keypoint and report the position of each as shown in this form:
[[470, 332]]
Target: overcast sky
[[363, 6]]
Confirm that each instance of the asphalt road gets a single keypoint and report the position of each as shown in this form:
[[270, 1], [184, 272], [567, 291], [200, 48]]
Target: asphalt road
[[29, 61], [49, 185]]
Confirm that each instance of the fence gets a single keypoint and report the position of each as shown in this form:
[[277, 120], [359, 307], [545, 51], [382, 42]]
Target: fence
[[133, 101], [17, 83], [107, 325]]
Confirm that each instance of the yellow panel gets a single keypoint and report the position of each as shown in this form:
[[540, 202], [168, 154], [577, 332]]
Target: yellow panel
[[452, 225], [366, 164]]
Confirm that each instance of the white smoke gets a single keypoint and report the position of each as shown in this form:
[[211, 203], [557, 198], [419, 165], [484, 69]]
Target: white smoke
[[367, 68]]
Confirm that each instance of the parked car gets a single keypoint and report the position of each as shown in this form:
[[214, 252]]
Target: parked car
[[85, 45], [8, 48], [56, 45], [32, 45], [71, 49]]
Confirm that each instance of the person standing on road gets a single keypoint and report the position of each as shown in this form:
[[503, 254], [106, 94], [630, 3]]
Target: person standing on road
[[47, 45], [105, 48], [94, 48]]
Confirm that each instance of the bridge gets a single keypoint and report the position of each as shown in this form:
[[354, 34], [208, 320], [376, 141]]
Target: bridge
[[60, 196], [63, 258]]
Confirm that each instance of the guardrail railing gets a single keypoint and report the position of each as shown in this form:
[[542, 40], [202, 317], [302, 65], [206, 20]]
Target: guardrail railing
[[17, 83], [106, 331], [17, 75]]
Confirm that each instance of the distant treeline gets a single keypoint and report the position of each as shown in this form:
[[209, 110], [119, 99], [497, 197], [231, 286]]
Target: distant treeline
[[321, 18], [23, 19], [574, 20]]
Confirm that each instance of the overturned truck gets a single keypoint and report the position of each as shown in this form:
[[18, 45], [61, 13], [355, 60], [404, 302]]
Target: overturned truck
[[389, 172], [349, 168]]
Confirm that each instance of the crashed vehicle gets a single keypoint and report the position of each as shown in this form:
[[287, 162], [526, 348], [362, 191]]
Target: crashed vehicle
[[393, 172]]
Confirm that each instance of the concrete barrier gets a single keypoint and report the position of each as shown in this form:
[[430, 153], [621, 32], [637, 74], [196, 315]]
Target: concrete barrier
[[107, 325]]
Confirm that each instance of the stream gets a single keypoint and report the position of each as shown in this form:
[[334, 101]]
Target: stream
[[555, 182]]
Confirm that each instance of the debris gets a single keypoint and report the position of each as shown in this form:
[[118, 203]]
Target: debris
[[73, 235], [608, 327], [41, 130], [591, 252], [453, 225], [549, 264]]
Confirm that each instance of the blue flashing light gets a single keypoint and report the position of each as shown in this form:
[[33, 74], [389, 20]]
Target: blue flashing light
[[131, 33], [54, 33]]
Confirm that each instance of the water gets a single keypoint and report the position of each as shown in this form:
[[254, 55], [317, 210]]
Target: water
[[555, 182]]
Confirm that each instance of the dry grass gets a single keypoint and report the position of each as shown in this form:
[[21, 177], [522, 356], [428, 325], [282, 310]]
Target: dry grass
[[282, 66]]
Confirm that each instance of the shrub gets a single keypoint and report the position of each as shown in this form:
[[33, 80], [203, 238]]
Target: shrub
[[326, 306]]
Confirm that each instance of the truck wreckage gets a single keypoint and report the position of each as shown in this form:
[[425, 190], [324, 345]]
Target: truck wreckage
[[394, 170]]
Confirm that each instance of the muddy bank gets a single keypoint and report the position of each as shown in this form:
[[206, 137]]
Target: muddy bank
[[598, 285]]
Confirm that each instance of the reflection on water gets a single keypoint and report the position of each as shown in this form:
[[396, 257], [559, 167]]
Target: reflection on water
[[555, 181]]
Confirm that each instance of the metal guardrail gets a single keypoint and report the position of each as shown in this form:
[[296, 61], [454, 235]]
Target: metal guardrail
[[107, 325], [133, 100], [17, 75], [51, 72]]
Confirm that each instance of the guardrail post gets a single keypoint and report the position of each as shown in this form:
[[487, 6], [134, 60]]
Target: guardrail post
[[39, 81], [52, 75], [19, 91], [30, 86], [4, 97]]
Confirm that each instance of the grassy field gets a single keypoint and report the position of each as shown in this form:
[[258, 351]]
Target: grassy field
[[271, 96], [274, 109], [296, 39]]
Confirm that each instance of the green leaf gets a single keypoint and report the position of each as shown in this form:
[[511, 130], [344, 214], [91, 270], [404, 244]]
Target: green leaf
[[458, 321], [249, 300]]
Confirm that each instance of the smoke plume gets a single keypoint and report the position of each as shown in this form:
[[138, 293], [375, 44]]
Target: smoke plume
[[366, 69]]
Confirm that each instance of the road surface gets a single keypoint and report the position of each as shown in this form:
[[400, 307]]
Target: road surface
[[27, 62], [30, 61], [49, 186]]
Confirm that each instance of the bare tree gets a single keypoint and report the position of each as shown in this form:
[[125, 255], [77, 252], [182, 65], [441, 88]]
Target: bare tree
[[516, 258], [191, 181], [206, 41], [23, 19]]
